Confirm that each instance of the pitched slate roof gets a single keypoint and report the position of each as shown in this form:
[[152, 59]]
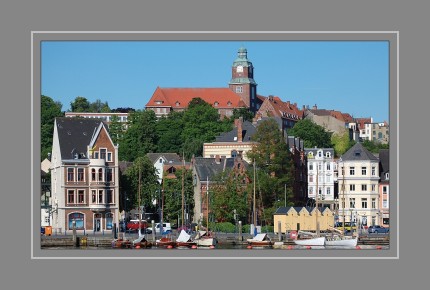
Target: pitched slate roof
[[384, 161], [179, 98], [170, 157], [356, 153], [74, 135], [208, 168], [248, 130]]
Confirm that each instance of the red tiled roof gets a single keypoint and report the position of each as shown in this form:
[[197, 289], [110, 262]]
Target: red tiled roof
[[282, 109], [180, 97], [362, 121]]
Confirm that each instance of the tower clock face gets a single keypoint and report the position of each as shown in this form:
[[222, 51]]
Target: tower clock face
[[239, 69]]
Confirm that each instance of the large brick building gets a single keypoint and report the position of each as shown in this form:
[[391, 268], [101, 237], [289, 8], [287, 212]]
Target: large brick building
[[241, 93]]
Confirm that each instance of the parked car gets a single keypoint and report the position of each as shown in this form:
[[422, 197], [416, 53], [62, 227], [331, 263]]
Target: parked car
[[167, 228], [347, 227], [133, 225], [378, 229]]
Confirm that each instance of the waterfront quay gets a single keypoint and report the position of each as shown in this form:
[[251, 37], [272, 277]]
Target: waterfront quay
[[224, 240]]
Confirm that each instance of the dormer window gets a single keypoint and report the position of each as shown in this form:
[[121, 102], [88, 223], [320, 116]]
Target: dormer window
[[327, 154], [320, 153], [216, 104], [387, 175], [229, 103], [177, 104]]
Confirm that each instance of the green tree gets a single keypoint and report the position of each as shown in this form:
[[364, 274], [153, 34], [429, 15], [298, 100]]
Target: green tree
[[99, 107], [49, 110], [201, 123], [341, 143], [172, 192], [243, 112], [80, 105], [140, 137], [116, 129], [169, 130], [273, 166], [229, 196], [373, 146], [149, 185], [312, 134]]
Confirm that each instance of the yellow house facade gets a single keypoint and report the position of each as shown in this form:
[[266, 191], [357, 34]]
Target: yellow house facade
[[302, 218]]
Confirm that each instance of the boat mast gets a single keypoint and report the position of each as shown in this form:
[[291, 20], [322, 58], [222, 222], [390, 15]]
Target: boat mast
[[253, 203], [207, 204], [316, 203], [183, 188], [343, 195], [138, 198]]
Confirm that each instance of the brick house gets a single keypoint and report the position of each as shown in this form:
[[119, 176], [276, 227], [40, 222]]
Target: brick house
[[241, 93], [84, 176]]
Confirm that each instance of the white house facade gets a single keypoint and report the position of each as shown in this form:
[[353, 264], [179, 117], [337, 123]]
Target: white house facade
[[359, 186]]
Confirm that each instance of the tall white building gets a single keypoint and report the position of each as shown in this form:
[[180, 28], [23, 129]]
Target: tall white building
[[358, 186], [320, 173]]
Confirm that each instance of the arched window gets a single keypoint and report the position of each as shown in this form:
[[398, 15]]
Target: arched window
[[79, 220], [93, 174], [233, 153]]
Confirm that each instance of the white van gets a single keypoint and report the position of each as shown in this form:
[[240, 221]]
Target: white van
[[167, 229]]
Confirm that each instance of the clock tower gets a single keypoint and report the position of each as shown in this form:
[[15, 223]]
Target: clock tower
[[242, 80]]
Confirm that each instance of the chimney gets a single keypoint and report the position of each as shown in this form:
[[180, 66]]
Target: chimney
[[288, 104], [217, 159], [239, 129], [304, 108], [315, 107]]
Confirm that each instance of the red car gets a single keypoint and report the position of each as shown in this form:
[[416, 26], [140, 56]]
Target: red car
[[133, 225]]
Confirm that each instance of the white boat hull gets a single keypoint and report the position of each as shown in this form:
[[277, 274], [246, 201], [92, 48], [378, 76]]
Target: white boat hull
[[320, 241], [342, 242], [206, 242]]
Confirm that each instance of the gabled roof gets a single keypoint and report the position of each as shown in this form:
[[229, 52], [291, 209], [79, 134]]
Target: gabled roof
[[283, 109], [208, 168], [362, 121], [384, 161], [298, 209], [168, 157], [248, 130], [75, 134], [356, 153], [179, 98]]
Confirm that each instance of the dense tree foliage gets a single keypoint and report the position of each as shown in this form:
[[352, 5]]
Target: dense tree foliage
[[312, 134], [245, 113], [201, 123], [172, 193], [373, 146], [49, 110], [140, 137], [149, 185], [169, 130], [116, 129], [82, 105], [228, 196], [123, 110], [273, 165], [99, 107], [341, 143]]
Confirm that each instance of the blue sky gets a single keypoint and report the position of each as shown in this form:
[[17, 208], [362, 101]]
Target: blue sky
[[348, 76]]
